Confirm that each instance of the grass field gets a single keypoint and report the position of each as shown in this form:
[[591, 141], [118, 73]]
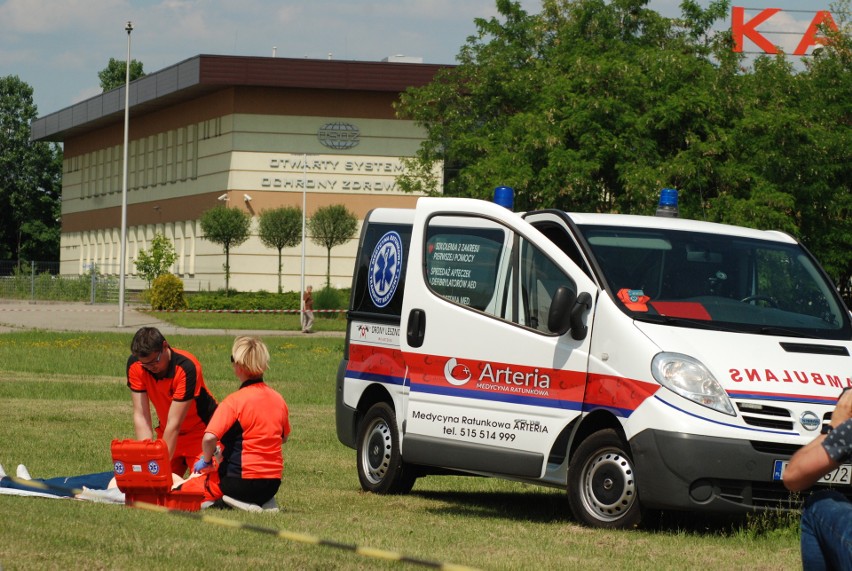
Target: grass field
[[63, 399], [256, 321]]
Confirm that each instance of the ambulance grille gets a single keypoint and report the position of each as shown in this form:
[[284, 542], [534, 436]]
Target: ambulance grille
[[758, 494], [765, 416], [765, 495], [775, 448]]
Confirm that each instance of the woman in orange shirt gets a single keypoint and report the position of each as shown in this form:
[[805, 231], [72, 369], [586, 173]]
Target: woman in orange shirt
[[251, 425]]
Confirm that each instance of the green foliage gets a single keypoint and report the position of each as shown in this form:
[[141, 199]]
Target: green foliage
[[262, 300], [244, 300], [329, 298], [228, 227], [331, 226], [619, 90], [596, 106], [158, 261], [780, 524], [23, 284], [29, 281], [167, 293], [31, 180], [115, 73], [280, 228]]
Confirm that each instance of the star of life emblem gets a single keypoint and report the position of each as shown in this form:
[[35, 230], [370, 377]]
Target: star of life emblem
[[385, 269]]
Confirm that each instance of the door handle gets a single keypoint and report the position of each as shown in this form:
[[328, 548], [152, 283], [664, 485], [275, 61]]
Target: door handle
[[416, 327]]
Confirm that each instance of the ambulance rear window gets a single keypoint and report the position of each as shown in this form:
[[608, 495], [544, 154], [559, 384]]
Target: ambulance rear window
[[380, 273]]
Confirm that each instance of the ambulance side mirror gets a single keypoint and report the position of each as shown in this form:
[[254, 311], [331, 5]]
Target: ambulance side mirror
[[567, 311], [581, 307], [559, 316]]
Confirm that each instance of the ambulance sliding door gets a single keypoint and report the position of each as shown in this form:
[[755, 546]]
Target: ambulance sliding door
[[491, 386]]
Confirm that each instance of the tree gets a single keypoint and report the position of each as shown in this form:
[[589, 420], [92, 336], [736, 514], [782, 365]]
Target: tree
[[584, 106], [228, 227], [114, 74], [158, 261], [31, 181], [280, 228], [825, 203], [787, 162], [331, 226], [595, 105]]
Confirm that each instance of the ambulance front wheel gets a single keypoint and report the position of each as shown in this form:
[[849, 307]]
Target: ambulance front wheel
[[380, 466], [602, 484]]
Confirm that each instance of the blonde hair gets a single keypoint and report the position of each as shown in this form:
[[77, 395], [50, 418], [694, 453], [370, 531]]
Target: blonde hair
[[251, 354]]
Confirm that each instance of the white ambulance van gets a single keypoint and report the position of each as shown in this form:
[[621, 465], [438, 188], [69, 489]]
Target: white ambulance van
[[634, 361]]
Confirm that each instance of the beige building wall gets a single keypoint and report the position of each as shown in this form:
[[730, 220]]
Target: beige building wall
[[178, 169]]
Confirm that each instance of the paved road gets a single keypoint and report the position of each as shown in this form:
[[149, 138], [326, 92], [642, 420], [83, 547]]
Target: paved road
[[50, 316]]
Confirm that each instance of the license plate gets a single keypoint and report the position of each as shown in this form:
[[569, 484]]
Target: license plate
[[841, 476]]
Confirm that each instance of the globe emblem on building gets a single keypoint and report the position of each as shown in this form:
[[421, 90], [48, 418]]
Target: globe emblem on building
[[339, 136]]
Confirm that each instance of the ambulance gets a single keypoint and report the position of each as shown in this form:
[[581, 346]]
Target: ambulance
[[636, 362]]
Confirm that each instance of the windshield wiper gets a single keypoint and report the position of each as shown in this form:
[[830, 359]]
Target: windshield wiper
[[679, 321], [719, 326]]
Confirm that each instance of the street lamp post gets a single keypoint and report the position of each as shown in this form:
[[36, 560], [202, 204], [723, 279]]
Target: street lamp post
[[123, 262], [304, 206]]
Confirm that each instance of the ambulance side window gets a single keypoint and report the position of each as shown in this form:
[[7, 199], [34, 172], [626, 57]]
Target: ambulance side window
[[540, 278], [463, 260], [485, 266]]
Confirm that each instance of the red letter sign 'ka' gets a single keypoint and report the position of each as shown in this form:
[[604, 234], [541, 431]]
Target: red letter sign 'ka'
[[748, 29]]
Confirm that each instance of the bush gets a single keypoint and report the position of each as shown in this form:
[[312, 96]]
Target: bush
[[245, 301], [328, 298], [167, 293], [259, 300]]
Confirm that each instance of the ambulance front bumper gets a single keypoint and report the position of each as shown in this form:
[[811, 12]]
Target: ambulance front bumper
[[687, 471]]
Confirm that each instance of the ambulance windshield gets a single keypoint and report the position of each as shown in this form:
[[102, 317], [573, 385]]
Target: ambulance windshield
[[717, 281]]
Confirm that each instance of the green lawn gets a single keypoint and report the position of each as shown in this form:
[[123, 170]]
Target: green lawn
[[256, 321], [63, 399]]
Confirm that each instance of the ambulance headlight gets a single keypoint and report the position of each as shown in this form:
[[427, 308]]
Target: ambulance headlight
[[690, 379]]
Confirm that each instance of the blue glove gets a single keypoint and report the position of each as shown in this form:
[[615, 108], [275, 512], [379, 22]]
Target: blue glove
[[201, 464]]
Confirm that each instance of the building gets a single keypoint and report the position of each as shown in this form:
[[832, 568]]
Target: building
[[250, 132]]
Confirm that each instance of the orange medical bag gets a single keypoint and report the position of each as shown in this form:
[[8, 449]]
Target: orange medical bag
[[143, 472]]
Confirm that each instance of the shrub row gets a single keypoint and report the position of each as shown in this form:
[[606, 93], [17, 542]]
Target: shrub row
[[323, 299]]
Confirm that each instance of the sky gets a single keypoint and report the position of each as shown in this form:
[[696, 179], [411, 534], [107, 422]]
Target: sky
[[59, 46]]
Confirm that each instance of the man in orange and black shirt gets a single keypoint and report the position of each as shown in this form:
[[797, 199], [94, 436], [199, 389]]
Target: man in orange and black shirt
[[171, 380]]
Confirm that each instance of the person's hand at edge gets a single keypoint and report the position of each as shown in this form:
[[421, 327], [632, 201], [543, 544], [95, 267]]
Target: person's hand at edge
[[201, 465], [843, 409]]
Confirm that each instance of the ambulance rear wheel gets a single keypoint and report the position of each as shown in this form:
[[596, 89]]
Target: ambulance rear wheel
[[380, 466], [602, 488]]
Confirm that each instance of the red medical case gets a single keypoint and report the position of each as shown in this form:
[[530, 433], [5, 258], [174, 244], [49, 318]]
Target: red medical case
[[143, 472]]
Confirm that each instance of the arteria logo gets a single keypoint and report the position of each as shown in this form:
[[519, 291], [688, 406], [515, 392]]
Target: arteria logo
[[458, 374]]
